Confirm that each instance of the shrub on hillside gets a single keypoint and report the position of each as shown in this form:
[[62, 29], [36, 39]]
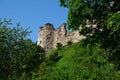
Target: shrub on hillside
[[59, 45], [53, 56], [69, 42]]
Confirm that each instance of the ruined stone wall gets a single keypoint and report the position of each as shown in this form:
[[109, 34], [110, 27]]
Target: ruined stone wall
[[48, 36]]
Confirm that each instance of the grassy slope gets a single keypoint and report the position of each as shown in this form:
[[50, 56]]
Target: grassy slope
[[77, 63]]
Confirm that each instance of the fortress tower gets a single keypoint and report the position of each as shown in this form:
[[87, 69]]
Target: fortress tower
[[45, 36]]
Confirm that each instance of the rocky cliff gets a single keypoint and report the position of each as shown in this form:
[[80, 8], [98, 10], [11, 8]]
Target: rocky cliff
[[48, 36]]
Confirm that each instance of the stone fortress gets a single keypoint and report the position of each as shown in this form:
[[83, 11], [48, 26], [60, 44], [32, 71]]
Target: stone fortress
[[48, 36]]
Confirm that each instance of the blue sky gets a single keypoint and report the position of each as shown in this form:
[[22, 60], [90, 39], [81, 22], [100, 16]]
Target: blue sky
[[33, 13]]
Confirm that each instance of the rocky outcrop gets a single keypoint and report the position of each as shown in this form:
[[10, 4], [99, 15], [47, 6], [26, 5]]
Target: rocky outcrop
[[48, 36]]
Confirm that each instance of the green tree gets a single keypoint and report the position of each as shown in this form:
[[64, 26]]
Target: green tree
[[18, 54], [105, 14], [79, 11]]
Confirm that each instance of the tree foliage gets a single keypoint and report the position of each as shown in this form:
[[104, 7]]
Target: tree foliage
[[79, 11], [18, 54], [105, 14]]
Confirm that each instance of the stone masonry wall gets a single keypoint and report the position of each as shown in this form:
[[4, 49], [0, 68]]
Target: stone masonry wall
[[48, 36]]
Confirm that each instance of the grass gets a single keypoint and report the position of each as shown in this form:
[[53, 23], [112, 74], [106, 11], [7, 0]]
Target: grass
[[77, 62]]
